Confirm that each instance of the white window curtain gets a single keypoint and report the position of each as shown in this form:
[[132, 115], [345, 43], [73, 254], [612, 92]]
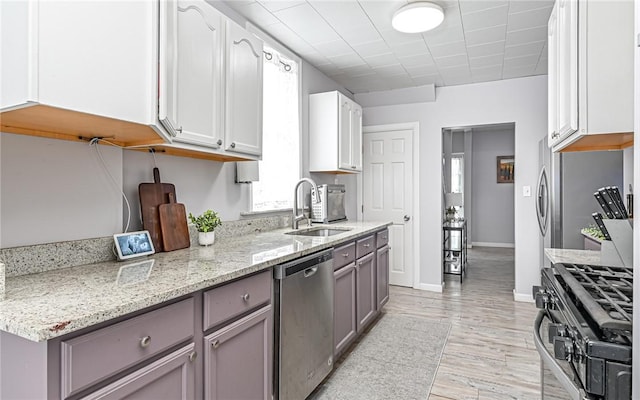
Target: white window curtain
[[280, 164]]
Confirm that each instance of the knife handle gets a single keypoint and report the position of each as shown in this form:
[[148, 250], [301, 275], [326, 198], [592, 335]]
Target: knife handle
[[598, 218], [618, 199], [603, 205]]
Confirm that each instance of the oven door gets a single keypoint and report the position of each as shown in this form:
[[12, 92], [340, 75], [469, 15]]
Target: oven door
[[557, 377]]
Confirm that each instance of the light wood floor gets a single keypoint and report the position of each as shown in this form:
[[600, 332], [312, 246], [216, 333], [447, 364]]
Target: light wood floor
[[490, 352]]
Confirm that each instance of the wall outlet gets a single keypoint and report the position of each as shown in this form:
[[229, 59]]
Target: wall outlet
[[526, 191]]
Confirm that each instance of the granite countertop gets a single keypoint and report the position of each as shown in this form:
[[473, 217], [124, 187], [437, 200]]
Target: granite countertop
[[46, 305], [573, 256]]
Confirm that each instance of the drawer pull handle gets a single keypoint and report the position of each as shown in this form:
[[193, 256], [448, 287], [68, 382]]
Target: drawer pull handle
[[192, 356], [145, 341], [215, 344], [366, 245], [246, 297], [345, 255]]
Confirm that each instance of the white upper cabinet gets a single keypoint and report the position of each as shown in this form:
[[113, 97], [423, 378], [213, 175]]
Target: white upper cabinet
[[191, 75], [335, 133], [590, 75], [243, 115], [65, 64]]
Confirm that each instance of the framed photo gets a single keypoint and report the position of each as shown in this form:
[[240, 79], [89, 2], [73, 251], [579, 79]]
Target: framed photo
[[133, 244], [505, 169]]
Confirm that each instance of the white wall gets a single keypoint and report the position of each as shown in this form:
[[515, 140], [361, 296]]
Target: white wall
[[493, 203], [54, 190], [523, 101]]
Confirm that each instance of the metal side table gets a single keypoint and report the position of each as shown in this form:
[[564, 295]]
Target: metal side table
[[454, 248]]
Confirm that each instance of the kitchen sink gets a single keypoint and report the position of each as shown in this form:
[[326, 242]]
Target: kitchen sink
[[319, 231]]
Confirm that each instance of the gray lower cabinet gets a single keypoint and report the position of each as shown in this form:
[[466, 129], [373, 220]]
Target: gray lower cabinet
[[238, 359], [366, 290], [344, 313], [172, 378], [382, 276]]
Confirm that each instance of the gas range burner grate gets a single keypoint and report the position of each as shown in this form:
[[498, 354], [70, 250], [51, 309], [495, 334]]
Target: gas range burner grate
[[606, 293]]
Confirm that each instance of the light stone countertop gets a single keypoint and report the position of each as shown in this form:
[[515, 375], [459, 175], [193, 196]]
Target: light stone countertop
[[573, 256], [46, 305]]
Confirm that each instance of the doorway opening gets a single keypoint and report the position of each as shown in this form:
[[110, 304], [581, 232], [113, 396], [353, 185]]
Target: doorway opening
[[478, 193]]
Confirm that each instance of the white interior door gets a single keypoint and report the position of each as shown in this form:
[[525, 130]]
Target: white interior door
[[388, 195]]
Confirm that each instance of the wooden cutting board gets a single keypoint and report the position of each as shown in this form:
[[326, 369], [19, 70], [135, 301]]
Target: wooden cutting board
[[152, 195], [173, 224]]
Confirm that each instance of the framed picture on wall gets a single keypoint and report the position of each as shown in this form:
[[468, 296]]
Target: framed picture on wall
[[505, 169]]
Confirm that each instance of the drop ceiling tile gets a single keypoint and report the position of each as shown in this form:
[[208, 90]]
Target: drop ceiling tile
[[486, 49], [380, 12], [491, 72], [452, 61], [418, 59], [341, 14], [387, 70], [256, 13], [449, 49], [474, 6], [443, 36], [523, 36], [276, 5], [410, 49], [309, 25], [347, 60], [315, 58], [521, 61], [488, 35], [381, 60], [359, 70], [519, 71], [529, 19], [486, 61], [372, 48], [421, 70], [524, 50], [458, 80], [517, 6], [333, 48], [240, 3], [399, 81], [393, 37], [359, 34], [485, 18], [286, 36], [435, 79], [542, 68]]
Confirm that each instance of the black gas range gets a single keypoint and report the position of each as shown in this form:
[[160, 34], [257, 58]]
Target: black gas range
[[584, 332]]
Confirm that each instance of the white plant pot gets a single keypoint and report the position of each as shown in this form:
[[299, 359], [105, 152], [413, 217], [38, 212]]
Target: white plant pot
[[206, 238]]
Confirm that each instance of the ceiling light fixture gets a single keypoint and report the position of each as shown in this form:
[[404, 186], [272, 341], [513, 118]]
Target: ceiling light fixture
[[417, 17]]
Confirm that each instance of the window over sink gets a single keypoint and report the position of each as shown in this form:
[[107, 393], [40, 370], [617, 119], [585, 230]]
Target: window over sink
[[280, 164]]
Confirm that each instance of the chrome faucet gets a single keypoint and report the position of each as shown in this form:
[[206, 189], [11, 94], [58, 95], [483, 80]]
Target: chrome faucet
[[297, 217]]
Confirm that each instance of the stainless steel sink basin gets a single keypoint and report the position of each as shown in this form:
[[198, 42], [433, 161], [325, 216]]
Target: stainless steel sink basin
[[319, 231]]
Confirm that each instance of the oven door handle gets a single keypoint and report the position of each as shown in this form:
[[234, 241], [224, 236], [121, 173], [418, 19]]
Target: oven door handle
[[549, 361]]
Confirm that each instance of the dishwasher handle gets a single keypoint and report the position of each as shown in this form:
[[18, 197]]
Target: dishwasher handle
[[310, 271]]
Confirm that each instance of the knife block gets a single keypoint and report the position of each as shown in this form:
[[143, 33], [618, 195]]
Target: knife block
[[619, 250]]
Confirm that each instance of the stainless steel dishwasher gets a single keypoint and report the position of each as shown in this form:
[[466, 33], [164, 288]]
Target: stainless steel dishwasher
[[304, 316]]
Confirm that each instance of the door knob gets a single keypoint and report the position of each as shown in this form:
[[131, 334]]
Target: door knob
[[407, 218]]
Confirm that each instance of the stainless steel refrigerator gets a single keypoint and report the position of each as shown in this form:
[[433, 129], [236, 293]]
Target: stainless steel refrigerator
[[564, 193]]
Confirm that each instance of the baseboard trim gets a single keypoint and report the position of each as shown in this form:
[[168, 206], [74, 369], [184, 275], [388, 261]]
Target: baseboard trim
[[492, 244], [430, 287], [522, 297]]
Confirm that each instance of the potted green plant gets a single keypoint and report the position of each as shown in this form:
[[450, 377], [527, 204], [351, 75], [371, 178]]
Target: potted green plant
[[206, 224]]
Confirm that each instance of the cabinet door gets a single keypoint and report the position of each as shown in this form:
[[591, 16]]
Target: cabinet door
[[344, 312], [191, 92], [382, 277], [567, 59], [238, 359], [366, 289], [171, 377], [243, 107], [552, 78], [356, 137], [345, 108]]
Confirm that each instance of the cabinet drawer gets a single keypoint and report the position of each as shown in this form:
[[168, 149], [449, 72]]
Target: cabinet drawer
[[89, 358], [382, 238], [365, 246], [233, 299], [344, 255]]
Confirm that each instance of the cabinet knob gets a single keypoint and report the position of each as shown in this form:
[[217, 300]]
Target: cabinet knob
[[192, 356], [145, 341], [366, 245], [215, 344], [345, 255], [233, 145], [179, 129], [246, 297], [219, 142], [353, 167]]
